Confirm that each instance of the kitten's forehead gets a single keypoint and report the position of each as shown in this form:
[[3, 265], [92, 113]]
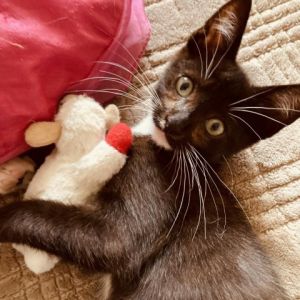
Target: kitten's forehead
[[183, 64], [183, 60]]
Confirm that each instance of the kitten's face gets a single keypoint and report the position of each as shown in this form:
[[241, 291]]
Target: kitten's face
[[195, 110], [202, 82]]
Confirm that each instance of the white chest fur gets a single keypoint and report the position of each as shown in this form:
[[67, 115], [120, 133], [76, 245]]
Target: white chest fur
[[147, 128]]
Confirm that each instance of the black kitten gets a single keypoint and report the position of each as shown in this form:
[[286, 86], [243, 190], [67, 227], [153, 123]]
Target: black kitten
[[176, 232]]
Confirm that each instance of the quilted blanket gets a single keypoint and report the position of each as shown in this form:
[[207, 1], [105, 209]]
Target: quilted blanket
[[265, 178]]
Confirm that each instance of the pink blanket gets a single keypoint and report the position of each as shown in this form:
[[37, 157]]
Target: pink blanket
[[48, 47]]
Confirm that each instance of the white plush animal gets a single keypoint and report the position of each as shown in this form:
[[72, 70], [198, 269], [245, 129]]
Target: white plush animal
[[84, 159]]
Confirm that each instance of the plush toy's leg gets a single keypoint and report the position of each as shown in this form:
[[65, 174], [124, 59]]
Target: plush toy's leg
[[106, 159], [36, 260]]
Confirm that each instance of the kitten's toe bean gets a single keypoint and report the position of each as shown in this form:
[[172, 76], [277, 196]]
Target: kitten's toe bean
[[40, 262]]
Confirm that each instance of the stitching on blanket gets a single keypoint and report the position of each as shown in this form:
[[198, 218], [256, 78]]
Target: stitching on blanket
[[271, 189], [285, 69], [278, 67], [75, 287], [275, 44], [263, 180], [275, 206], [20, 272], [55, 277], [293, 62], [280, 225], [270, 11], [276, 5], [80, 287], [258, 51], [284, 164]]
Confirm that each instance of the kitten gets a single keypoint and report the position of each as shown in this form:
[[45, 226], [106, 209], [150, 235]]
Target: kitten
[[166, 227]]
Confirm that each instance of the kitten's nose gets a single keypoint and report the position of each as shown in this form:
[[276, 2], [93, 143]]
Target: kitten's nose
[[175, 129]]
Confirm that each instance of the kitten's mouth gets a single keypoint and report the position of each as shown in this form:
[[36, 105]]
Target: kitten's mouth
[[173, 139], [159, 136]]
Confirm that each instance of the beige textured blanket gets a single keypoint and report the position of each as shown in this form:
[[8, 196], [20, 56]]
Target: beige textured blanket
[[266, 178]]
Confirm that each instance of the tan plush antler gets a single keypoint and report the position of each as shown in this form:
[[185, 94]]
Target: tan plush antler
[[42, 133]]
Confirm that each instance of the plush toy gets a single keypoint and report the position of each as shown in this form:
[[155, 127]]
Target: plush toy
[[84, 159]]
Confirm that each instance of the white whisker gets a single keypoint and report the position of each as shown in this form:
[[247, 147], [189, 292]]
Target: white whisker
[[246, 123], [213, 58], [129, 72], [177, 172], [212, 194], [206, 52], [186, 166], [182, 198], [230, 170], [201, 198], [223, 183], [116, 92], [251, 97], [259, 114], [143, 74], [268, 108], [200, 55], [221, 59]]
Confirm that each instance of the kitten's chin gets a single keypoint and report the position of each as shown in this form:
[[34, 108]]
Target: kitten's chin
[[147, 128], [160, 139]]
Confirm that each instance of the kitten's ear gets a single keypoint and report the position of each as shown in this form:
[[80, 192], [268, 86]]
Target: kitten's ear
[[222, 34]]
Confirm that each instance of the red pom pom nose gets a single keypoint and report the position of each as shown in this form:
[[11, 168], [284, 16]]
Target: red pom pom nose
[[120, 137]]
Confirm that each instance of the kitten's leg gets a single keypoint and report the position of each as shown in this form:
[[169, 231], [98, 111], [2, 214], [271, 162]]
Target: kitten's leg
[[84, 237], [65, 231]]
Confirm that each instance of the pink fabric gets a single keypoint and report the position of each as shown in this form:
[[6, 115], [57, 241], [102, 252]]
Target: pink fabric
[[48, 47]]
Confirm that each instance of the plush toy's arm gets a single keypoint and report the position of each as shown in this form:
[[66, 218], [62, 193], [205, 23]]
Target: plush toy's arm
[[73, 182], [109, 156], [41, 134]]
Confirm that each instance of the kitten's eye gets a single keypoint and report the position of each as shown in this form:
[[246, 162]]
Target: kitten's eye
[[184, 86], [215, 127]]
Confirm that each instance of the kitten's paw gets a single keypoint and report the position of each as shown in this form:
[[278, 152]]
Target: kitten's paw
[[39, 262]]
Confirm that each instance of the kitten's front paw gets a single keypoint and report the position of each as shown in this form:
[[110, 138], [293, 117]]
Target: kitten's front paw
[[37, 261], [40, 262]]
